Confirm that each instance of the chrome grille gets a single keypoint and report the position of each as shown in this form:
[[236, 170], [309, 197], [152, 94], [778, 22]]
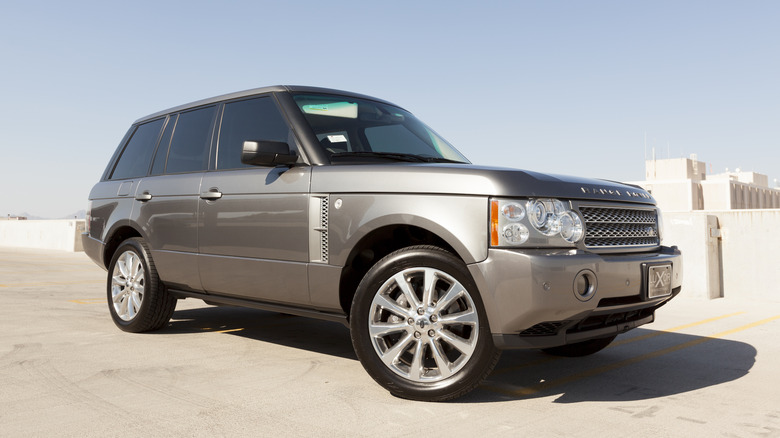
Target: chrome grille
[[607, 227]]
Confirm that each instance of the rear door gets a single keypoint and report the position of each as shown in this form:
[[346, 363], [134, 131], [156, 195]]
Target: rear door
[[253, 226], [167, 200]]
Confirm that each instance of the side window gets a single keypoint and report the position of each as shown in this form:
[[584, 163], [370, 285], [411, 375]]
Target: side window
[[253, 119], [162, 150], [189, 146], [134, 161]]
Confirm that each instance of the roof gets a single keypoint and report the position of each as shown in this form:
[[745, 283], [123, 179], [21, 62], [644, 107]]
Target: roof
[[256, 91]]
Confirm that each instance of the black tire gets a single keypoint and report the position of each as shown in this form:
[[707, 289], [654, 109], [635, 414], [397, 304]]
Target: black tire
[[580, 349], [127, 286], [433, 357]]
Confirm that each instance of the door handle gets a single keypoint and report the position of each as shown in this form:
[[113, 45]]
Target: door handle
[[143, 197], [212, 195]]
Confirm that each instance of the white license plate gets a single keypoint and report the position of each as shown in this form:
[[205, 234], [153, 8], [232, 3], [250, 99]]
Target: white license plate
[[659, 281]]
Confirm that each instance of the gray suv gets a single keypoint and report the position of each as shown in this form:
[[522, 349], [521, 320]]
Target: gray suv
[[344, 207]]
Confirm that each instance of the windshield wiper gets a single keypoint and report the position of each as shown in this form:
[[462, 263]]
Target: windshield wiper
[[388, 155], [396, 156]]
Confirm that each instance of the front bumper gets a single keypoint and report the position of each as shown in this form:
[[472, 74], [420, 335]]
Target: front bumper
[[530, 299]]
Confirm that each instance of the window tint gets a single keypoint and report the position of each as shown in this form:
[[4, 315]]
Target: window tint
[[162, 150], [189, 147], [398, 139], [254, 119], [134, 161]]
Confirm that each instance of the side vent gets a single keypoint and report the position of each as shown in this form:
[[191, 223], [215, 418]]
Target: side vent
[[318, 228]]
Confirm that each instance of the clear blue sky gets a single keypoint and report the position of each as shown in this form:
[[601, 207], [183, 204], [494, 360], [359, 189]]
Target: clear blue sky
[[563, 87]]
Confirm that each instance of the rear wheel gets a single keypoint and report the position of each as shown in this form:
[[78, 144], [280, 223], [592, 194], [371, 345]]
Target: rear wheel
[[579, 349], [419, 327], [137, 299]]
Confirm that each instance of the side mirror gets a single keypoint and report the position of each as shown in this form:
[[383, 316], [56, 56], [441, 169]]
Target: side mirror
[[267, 153]]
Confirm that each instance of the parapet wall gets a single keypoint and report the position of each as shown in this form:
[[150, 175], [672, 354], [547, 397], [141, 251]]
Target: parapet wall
[[727, 253], [64, 235]]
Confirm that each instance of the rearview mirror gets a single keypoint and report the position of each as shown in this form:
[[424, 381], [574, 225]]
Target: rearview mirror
[[267, 153]]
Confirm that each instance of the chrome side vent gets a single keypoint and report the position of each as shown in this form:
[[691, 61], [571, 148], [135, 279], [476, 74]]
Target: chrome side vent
[[318, 228]]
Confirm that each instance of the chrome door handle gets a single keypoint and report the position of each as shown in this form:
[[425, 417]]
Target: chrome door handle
[[212, 195], [143, 197]]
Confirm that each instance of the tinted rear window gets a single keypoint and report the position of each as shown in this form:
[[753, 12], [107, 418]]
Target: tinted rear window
[[189, 146], [134, 161]]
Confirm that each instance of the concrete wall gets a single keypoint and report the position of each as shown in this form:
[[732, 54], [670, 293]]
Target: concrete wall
[[64, 235], [727, 253]]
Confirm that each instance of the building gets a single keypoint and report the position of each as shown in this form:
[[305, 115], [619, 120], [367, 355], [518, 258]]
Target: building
[[682, 184]]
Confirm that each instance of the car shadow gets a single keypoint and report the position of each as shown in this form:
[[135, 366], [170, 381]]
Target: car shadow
[[278, 328], [642, 364], [657, 364]]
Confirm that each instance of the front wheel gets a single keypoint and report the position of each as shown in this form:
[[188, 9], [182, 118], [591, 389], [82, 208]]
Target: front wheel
[[419, 327], [137, 299]]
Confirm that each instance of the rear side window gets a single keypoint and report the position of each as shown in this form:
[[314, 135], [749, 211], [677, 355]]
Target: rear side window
[[158, 166], [134, 161], [189, 146], [253, 119]]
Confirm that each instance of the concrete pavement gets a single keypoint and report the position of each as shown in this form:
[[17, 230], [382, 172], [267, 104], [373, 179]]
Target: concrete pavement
[[704, 368]]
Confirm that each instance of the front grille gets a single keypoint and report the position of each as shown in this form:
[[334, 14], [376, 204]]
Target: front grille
[[607, 227]]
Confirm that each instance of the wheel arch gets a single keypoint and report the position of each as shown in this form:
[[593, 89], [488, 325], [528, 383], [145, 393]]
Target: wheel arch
[[115, 237], [377, 244]]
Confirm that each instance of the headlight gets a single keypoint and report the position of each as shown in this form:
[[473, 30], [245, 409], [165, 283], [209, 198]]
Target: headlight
[[533, 222]]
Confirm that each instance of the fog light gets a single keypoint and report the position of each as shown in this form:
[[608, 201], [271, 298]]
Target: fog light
[[585, 285]]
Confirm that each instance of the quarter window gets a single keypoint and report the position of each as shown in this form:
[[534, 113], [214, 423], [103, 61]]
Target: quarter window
[[189, 146], [134, 161]]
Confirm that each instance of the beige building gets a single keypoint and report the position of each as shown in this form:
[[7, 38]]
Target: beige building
[[682, 184]]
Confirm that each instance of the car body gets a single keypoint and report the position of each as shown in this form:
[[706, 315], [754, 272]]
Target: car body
[[344, 207]]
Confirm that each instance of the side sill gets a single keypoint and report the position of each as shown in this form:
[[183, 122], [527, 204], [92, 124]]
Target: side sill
[[280, 308]]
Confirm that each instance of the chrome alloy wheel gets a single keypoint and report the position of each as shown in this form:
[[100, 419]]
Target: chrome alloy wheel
[[127, 285], [423, 324]]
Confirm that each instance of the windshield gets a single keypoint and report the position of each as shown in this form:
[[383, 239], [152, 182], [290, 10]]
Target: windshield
[[349, 129]]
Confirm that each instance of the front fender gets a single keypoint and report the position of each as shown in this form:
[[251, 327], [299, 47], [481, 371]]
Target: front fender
[[461, 221]]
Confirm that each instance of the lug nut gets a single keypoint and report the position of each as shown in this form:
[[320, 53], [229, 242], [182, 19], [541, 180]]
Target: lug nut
[[417, 335], [431, 333], [420, 311], [434, 318], [410, 321]]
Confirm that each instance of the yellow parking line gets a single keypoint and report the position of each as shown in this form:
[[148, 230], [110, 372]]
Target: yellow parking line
[[229, 331], [89, 301], [671, 330], [603, 369], [621, 342]]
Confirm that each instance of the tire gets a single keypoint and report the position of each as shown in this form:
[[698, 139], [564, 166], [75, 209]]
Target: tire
[[434, 352], [580, 349], [137, 299]]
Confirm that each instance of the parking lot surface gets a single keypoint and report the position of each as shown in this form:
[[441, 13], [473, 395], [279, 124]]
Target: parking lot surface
[[704, 368]]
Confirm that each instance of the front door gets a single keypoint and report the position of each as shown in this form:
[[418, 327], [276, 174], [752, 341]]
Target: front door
[[253, 221]]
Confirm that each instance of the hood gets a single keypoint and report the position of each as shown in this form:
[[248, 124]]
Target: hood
[[464, 179]]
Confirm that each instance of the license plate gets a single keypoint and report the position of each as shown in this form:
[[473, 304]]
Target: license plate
[[659, 281]]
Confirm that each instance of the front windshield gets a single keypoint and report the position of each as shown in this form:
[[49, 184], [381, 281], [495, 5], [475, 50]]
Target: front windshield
[[347, 128]]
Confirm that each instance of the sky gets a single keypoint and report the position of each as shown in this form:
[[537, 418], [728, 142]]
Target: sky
[[584, 88]]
